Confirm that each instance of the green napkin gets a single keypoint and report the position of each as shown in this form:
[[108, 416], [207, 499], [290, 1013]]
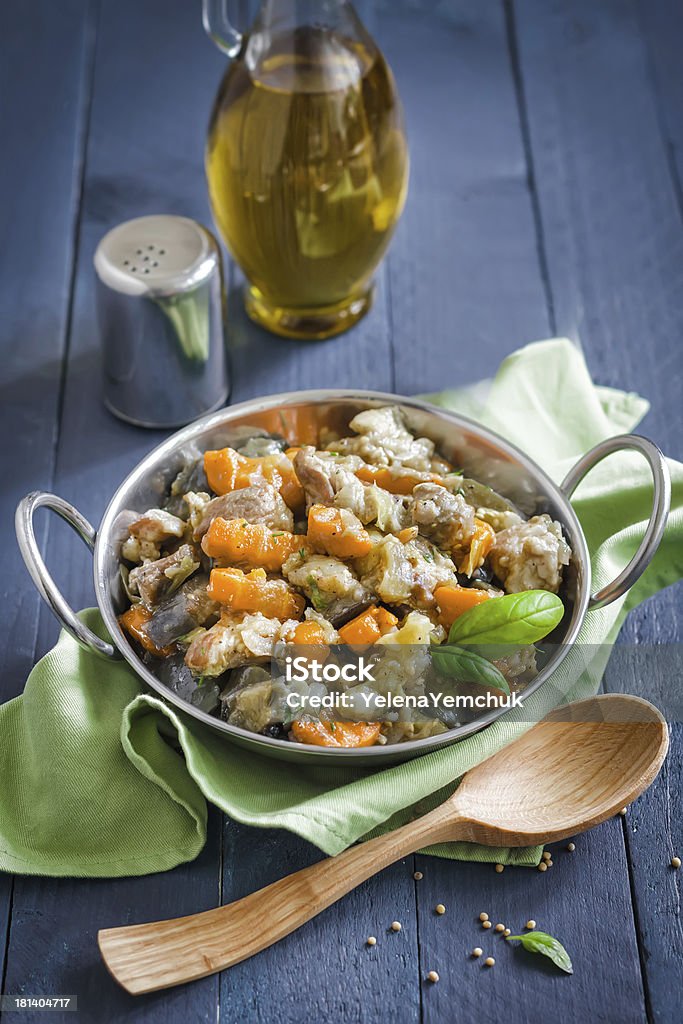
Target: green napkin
[[102, 779]]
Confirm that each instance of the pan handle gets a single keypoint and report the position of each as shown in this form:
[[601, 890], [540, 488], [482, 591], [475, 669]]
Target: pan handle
[[660, 507], [47, 587]]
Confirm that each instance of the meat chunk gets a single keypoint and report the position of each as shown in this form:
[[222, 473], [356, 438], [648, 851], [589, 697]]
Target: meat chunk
[[322, 475], [148, 532], [383, 440], [158, 579], [530, 555], [235, 640], [329, 584], [405, 573], [443, 517], [328, 480], [261, 503]]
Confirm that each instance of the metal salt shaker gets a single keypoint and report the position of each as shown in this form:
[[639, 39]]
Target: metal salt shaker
[[160, 301]]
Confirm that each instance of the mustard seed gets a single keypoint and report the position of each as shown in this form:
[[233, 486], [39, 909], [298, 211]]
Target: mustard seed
[[486, 924], [547, 855], [550, 863], [506, 932], [675, 862], [477, 951], [499, 928], [440, 909], [417, 875], [395, 926], [483, 916], [371, 940], [571, 847], [500, 867], [543, 866], [489, 961], [433, 976], [622, 812], [531, 924]]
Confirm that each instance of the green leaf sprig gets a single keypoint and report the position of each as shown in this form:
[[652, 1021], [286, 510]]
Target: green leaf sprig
[[467, 667], [521, 618], [541, 942]]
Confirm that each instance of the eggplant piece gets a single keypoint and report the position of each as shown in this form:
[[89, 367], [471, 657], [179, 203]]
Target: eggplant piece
[[480, 496], [189, 608], [239, 678], [190, 478], [205, 697], [174, 673]]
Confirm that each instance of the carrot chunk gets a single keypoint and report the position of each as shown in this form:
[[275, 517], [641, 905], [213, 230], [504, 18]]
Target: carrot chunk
[[338, 532], [396, 483], [134, 621], [386, 620], [368, 627], [308, 632], [252, 544], [453, 600], [254, 592], [337, 734], [226, 470]]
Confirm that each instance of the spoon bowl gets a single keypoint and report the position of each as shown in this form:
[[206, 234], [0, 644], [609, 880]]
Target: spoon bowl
[[571, 771], [575, 769]]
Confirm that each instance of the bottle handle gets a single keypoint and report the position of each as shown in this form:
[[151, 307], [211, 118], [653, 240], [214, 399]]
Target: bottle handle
[[217, 26]]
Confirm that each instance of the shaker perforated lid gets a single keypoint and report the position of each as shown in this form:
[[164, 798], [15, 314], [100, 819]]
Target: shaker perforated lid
[[156, 255]]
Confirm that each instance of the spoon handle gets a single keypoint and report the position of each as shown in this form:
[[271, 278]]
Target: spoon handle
[[147, 957]]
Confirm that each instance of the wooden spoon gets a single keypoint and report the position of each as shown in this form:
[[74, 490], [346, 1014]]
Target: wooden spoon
[[573, 770]]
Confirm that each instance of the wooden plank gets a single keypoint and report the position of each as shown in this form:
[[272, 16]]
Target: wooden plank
[[153, 82], [575, 900], [662, 21], [612, 223], [465, 268], [325, 970], [36, 260], [607, 201], [321, 970], [142, 158]]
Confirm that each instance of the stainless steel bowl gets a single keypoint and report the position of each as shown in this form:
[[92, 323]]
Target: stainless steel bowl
[[480, 452]]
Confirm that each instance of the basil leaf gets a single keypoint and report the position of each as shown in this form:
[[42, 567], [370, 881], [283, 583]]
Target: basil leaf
[[541, 942], [512, 619], [468, 667]]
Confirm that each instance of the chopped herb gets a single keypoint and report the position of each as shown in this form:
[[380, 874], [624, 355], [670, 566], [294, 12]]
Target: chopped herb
[[187, 638], [318, 601], [461, 492], [277, 533], [333, 726], [428, 555], [302, 554]]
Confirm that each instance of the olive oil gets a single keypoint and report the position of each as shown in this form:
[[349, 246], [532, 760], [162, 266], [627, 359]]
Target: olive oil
[[307, 168]]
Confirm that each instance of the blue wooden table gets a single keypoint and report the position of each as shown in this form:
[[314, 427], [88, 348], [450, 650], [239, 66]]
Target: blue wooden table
[[546, 198]]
